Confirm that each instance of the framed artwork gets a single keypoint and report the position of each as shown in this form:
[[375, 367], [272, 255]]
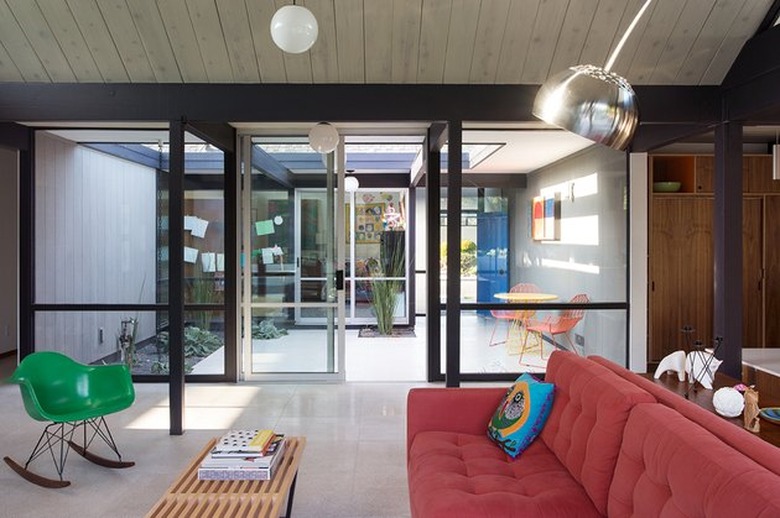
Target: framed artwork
[[368, 222], [552, 217], [546, 218], [537, 218]]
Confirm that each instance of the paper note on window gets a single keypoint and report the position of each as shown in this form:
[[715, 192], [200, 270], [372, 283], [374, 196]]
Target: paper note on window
[[190, 255], [221, 262], [199, 227], [263, 228], [208, 261], [268, 255], [189, 222]]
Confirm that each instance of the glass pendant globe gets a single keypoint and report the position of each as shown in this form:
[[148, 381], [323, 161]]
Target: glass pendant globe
[[351, 184], [294, 29], [323, 137]]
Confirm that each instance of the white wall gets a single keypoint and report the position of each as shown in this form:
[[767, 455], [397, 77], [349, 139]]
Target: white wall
[[95, 242], [591, 256], [9, 251]]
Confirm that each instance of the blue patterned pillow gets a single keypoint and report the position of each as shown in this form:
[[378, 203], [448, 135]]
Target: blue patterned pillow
[[522, 414]]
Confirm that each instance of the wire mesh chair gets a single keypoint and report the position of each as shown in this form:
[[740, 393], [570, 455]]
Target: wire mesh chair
[[511, 314], [555, 325]]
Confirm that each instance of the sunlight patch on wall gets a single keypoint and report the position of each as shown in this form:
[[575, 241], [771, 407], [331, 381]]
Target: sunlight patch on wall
[[575, 188], [571, 266], [582, 230]]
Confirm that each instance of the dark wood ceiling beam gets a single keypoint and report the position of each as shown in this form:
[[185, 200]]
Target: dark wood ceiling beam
[[750, 88], [294, 103], [770, 17], [653, 136]]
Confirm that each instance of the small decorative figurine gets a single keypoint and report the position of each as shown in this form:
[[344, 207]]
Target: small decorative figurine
[[701, 367], [674, 362], [752, 423]]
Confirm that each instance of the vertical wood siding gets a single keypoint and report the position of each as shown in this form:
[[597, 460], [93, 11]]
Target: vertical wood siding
[[95, 244]]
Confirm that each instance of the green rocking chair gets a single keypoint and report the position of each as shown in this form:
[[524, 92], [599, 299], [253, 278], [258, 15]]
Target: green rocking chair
[[70, 395]]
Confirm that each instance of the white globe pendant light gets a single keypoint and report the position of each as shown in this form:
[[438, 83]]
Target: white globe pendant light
[[351, 184], [323, 137], [294, 29]]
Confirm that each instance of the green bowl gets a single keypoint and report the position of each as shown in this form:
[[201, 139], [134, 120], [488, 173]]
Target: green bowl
[[666, 186]]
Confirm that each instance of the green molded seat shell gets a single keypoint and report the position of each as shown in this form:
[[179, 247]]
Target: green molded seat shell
[[59, 389]]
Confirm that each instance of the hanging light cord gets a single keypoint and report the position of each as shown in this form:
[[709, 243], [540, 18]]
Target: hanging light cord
[[626, 34]]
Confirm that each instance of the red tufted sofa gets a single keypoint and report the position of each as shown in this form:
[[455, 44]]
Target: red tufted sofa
[[615, 445]]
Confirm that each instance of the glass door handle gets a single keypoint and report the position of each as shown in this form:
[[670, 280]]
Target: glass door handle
[[339, 280]]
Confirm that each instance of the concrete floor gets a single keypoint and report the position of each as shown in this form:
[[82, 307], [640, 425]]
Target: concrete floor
[[353, 464]]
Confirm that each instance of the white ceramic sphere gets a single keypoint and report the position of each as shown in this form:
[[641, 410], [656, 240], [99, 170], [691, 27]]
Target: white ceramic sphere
[[323, 137], [351, 184], [294, 29], [728, 402]]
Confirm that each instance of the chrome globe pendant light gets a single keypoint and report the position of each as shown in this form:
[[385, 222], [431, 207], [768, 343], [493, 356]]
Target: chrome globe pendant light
[[591, 101], [294, 28]]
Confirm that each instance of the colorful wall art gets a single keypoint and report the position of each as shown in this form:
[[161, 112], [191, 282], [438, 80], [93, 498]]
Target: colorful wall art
[[546, 218]]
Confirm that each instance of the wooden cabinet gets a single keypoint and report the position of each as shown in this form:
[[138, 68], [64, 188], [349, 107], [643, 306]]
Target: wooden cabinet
[[772, 271], [752, 272], [680, 287], [681, 255]]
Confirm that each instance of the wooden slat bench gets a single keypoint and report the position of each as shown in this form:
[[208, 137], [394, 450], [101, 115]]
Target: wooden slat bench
[[190, 497]]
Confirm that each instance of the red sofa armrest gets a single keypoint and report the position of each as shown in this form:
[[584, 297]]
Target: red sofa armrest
[[460, 410]]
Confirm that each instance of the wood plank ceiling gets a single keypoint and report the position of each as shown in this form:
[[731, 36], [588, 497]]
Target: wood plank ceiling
[[685, 42]]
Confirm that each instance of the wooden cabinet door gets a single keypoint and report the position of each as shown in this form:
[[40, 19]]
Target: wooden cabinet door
[[772, 271], [681, 279], [752, 303]]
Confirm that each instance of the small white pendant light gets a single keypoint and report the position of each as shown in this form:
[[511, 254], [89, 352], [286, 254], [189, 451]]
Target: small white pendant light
[[351, 184], [324, 137], [294, 29]]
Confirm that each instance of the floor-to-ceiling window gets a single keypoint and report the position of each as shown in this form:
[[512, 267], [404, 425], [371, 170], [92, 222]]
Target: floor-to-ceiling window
[[543, 258], [102, 255]]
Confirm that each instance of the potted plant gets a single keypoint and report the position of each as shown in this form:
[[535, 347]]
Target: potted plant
[[391, 269]]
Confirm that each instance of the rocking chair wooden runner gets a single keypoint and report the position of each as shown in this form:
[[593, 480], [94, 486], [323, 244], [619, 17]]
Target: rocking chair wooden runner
[[70, 395]]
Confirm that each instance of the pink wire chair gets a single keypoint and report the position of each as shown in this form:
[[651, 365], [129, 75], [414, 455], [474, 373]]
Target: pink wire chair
[[511, 314], [556, 325]]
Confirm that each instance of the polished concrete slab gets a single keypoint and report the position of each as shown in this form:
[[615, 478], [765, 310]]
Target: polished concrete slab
[[354, 464]]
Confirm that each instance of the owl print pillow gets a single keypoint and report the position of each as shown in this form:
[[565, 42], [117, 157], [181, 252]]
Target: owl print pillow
[[521, 414]]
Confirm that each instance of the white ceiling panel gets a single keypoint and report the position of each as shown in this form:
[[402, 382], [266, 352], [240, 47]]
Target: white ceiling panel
[[688, 42]]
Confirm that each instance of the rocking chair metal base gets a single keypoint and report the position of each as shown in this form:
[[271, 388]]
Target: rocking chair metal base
[[57, 439], [34, 477]]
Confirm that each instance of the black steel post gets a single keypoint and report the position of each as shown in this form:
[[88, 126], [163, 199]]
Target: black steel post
[[176, 273], [454, 182], [728, 246]]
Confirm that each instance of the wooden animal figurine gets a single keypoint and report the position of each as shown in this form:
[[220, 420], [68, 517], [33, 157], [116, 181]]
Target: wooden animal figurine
[[752, 422]]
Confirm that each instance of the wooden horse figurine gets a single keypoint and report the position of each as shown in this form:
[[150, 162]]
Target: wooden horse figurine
[[752, 422]]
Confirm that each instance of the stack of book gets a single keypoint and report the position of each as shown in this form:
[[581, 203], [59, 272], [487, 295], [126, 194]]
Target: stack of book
[[243, 455]]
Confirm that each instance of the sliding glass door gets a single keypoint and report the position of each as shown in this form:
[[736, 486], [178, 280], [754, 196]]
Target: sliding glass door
[[290, 257]]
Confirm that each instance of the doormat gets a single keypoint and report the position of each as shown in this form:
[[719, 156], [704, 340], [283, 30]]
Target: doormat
[[398, 332]]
